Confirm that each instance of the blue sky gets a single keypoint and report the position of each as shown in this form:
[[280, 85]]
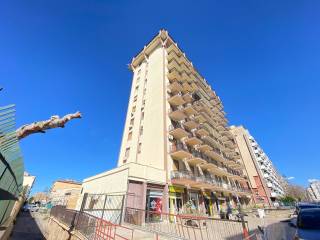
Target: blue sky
[[262, 58]]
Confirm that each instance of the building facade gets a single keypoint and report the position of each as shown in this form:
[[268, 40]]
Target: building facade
[[264, 179], [28, 181], [177, 154], [65, 193], [313, 191]]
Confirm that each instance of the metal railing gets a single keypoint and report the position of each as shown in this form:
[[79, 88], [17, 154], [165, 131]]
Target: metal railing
[[89, 226], [185, 226], [177, 174]]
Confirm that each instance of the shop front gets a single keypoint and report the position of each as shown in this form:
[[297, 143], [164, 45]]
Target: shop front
[[175, 199], [154, 199]]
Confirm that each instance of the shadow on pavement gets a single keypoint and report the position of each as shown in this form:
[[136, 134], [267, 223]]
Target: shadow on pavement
[[26, 228]]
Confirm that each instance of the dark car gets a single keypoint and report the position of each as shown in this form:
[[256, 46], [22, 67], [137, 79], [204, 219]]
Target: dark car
[[308, 224], [301, 206]]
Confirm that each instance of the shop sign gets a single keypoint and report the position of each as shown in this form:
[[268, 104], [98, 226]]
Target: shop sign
[[175, 189]]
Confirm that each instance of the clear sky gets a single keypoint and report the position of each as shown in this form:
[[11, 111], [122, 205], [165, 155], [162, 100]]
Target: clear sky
[[261, 57]]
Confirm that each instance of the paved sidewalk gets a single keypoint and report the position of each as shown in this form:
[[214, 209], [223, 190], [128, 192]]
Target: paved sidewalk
[[26, 228]]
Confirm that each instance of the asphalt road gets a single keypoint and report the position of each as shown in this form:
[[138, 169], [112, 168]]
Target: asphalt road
[[279, 231]]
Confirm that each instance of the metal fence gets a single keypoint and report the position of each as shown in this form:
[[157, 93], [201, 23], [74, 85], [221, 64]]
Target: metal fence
[[186, 226], [91, 227], [11, 163], [105, 206]]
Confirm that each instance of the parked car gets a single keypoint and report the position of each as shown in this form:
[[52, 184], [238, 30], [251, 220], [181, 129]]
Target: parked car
[[30, 208], [308, 224], [301, 206]]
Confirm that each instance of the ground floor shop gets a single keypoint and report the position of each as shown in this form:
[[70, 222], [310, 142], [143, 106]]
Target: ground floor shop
[[175, 199]]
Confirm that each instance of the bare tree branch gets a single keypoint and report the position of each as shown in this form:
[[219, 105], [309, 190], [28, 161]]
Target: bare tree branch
[[42, 126]]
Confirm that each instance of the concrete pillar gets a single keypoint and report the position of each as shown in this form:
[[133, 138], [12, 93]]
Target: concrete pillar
[[165, 199], [144, 201]]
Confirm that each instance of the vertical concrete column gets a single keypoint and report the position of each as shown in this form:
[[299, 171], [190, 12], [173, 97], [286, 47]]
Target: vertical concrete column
[[165, 199], [144, 201]]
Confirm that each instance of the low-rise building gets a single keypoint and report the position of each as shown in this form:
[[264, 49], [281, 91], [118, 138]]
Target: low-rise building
[[40, 197], [65, 193], [264, 179]]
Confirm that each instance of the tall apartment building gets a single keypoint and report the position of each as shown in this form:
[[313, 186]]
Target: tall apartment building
[[264, 179], [313, 191], [176, 151]]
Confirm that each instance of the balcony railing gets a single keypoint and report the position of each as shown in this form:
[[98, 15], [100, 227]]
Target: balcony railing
[[205, 179]]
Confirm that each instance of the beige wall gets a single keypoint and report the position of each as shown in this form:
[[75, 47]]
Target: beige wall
[[150, 164], [240, 134]]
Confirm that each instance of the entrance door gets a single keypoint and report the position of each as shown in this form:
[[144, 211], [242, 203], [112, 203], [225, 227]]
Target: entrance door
[[175, 203]]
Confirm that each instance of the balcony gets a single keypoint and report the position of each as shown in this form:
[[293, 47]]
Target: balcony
[[194, 87], [186, 87], [189, 110], [175, 87], [216, 156], [177, 114], [234, 165], [174, 64], [192, 141], [174, 75], [182, 177], [236, 177], [200, 119], [187, 97], [185, 76], [176, 100], [219, 171], [202, 132], [177, 132], [221, 128], [189, 125], [204, 148], [173, 49], [194, 160], [180, 152]]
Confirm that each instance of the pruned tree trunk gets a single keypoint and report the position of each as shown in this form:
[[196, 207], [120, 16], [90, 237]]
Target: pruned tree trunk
[[42, 126]]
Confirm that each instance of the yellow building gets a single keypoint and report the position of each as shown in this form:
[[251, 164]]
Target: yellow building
[[177, 154], [65, 193]]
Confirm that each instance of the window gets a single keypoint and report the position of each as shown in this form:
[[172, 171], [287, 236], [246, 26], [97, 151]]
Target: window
[[139, 71], [132, 121], [127, 153], [139, 148], [124, 160], [133, 109], [129, 136], [143, 102], [135, 98], [141, 130], [142, 115], [138, 79]]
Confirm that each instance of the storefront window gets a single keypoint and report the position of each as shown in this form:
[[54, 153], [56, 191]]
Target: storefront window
[[154, 206], [194, 201]]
